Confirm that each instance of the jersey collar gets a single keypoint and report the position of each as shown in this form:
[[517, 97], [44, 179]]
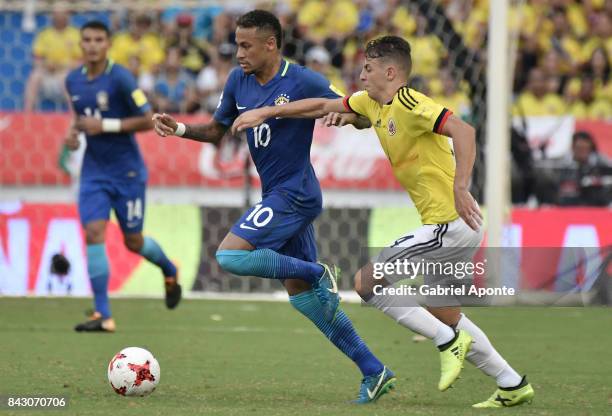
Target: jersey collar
[[284, 67], [396, 93], [109, 66], [282, 72]]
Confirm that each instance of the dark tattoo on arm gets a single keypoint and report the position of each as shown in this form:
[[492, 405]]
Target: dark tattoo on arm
[[211, 132]]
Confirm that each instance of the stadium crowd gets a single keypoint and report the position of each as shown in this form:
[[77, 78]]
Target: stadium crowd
[[182, 57]]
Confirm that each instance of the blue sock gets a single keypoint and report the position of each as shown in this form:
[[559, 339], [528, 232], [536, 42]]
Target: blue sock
[[268, 263], [340, 332], [97, 267], [153, 252]]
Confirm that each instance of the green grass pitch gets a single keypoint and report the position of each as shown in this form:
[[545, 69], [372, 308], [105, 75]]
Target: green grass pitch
[[263, 358]]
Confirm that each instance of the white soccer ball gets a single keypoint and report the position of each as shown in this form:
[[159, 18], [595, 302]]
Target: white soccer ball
[[133, 371]]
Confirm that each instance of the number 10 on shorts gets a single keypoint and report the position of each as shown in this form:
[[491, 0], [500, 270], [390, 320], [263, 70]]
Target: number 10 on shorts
[[260, 216]]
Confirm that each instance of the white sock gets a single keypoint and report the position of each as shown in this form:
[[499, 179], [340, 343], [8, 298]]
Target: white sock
[[415, 318], [486, 358]]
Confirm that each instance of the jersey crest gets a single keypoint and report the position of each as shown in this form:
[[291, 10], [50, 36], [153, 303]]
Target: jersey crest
[[281, 99], [102, 100], [391, 127]]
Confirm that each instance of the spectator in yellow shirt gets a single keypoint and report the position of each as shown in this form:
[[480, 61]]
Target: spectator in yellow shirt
[[588, 107], [600, 34], [451, 97], [562, 40], [552, 66], [56, 50], [403, 22], [139, 42], [536, 100], [427, 50], [193, 52], [598, 67], [328, 18]]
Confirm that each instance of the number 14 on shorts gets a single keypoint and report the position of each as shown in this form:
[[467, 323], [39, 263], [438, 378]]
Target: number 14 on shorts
[[134, 209]]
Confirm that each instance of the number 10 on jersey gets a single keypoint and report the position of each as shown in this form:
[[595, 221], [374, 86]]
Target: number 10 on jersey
[[262, 134]]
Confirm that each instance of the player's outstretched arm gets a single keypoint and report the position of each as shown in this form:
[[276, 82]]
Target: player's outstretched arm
[[139, 123], [464, 143], [308, 108], [94, 125], [165, 125]]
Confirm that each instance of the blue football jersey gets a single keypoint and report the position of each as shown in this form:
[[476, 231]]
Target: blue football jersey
[[280, 147], [112, 94]]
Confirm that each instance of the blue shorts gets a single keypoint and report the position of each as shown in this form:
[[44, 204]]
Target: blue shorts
[[126, 198], [275, 224]]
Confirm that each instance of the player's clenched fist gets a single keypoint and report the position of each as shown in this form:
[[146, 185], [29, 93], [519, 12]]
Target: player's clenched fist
[[339, 119], [90, 125], [165, 125], [72, 138]]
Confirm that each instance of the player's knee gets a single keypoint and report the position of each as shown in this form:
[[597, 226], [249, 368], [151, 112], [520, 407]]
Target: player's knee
[[233, 261], [133, 242], [361, 286], [357, 282], [448, 315], [296, 286], [94, 234]]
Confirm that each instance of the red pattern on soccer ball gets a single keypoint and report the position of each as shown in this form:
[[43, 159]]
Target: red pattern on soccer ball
[[120, 390], [115, 358], [143, 373]]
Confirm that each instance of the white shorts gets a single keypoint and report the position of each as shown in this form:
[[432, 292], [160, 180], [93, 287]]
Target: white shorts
[[438, 247], [434, 240]]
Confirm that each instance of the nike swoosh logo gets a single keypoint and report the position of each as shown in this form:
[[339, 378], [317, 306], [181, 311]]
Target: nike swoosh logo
[[247, 227], [334, 288], [75, 98], [240, 108], [371, 394]]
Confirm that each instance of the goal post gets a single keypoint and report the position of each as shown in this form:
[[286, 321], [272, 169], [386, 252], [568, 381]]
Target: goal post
[[497, 152]]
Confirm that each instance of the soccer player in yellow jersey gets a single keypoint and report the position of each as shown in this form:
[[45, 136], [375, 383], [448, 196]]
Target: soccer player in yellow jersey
[[414, 132]]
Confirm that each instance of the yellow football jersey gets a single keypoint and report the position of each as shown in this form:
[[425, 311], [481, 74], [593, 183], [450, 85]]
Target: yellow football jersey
[[422, 159], [59, 48]]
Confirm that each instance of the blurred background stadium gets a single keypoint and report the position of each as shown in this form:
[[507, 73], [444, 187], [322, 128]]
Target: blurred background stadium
[[559, 117]]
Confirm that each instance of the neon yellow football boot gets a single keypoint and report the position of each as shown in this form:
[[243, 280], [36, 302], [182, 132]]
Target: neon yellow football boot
[[452, 356], [514, 396]]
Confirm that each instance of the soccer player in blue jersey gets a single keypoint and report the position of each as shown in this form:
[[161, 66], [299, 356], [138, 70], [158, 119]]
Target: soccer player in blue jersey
[[275, 238], [109, 108]]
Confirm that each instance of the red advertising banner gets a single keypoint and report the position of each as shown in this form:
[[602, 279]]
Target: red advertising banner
[[30, 234], [343, 158], [563, 248], [558, 249], [601, 131], [555, 249]]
